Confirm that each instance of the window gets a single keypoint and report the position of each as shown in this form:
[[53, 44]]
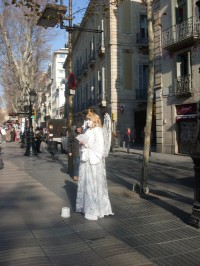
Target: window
[[86, 92], [60, 64], [100, 36], [92, 49], [99, 83], [143, 27], [183, 75], [128, 71], [141, 92], [183, 67], [126, 17], [181, 11], [61, 72], [93, 90], [62, 55]]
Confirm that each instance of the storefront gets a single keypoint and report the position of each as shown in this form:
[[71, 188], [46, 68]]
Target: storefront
[[186, 121]]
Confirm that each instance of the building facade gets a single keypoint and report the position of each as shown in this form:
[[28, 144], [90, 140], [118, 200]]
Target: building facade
[[110, 61], [57, 95], [177, 73]]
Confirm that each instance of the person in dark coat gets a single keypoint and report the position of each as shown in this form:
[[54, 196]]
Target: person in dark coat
[[38, 138], [73, 149]]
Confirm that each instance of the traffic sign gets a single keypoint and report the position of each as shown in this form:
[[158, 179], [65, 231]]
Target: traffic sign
[[72, 81]]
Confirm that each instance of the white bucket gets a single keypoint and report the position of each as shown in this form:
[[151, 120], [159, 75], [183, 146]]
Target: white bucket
[[65, 213]]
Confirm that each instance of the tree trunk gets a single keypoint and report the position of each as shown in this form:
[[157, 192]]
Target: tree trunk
[[147, 130]]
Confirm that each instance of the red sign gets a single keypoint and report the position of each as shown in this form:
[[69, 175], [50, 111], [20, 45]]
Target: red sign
[[72, 81], [186, 109]]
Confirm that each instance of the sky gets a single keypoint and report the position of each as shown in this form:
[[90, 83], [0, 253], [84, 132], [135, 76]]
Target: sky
[[78, 11]]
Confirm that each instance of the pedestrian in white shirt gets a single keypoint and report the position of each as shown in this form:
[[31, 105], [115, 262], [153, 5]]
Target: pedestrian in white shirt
[[3, 134]]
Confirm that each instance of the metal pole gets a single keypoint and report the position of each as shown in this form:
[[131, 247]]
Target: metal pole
[[32, 141], [70, 96], [30, 146], [28, 133]]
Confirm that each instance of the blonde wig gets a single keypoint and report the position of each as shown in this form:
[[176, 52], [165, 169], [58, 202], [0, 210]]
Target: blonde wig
[[95, 119]]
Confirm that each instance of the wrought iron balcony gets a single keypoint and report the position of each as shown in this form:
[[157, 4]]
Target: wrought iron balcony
[[181, 35], [92, 59], [142, 39], [84, 68], [100, 47], [183, 86]]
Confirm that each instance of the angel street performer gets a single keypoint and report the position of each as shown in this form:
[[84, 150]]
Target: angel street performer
[[92, 195]]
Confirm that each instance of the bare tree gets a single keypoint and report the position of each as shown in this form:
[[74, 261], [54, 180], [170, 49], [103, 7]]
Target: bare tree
[[24, 50], [147, 131]]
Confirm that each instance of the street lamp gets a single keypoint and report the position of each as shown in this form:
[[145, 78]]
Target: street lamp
[[30, 149], [53, 14]]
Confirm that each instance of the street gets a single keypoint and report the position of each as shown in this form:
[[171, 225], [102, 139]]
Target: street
[[148, 229]]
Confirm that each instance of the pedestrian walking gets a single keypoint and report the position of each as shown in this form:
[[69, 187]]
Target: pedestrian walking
[[73, 149], [3, 135], [128, 138], [92, 194], [12, 134]]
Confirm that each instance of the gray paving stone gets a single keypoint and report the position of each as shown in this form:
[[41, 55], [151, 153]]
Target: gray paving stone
[[148, 230]]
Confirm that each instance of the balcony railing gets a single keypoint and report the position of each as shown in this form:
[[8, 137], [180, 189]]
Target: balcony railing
[[142, 39], [100, 47], [92, 59], [84, 68], [183, 86], [186, 33], [141, 94]]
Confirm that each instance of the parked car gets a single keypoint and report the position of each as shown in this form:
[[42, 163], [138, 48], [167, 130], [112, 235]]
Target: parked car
[[64, 142]]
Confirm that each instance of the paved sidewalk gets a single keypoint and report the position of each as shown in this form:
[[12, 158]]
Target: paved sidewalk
[[144, 230]]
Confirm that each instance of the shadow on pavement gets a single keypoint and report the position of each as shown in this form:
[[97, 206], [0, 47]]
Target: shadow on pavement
[[156, 198], [71, 190]]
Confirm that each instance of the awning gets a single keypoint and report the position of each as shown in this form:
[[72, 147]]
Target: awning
[[181, 117]]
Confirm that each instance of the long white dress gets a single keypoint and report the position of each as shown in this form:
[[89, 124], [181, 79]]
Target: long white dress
[[92, 195]]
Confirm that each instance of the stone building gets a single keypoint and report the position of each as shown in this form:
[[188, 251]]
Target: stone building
[[177, 29], [111, 66], [57, 97]]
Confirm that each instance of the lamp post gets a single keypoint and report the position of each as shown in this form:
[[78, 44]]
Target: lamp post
[[57, 13], [29, 134], [50, 18], [195, 216], [198, 5], [195, 155]]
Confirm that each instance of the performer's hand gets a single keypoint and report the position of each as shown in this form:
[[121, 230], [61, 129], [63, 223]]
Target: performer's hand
[[70, 154]]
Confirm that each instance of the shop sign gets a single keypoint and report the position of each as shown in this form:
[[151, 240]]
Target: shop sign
[[186, 109]]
